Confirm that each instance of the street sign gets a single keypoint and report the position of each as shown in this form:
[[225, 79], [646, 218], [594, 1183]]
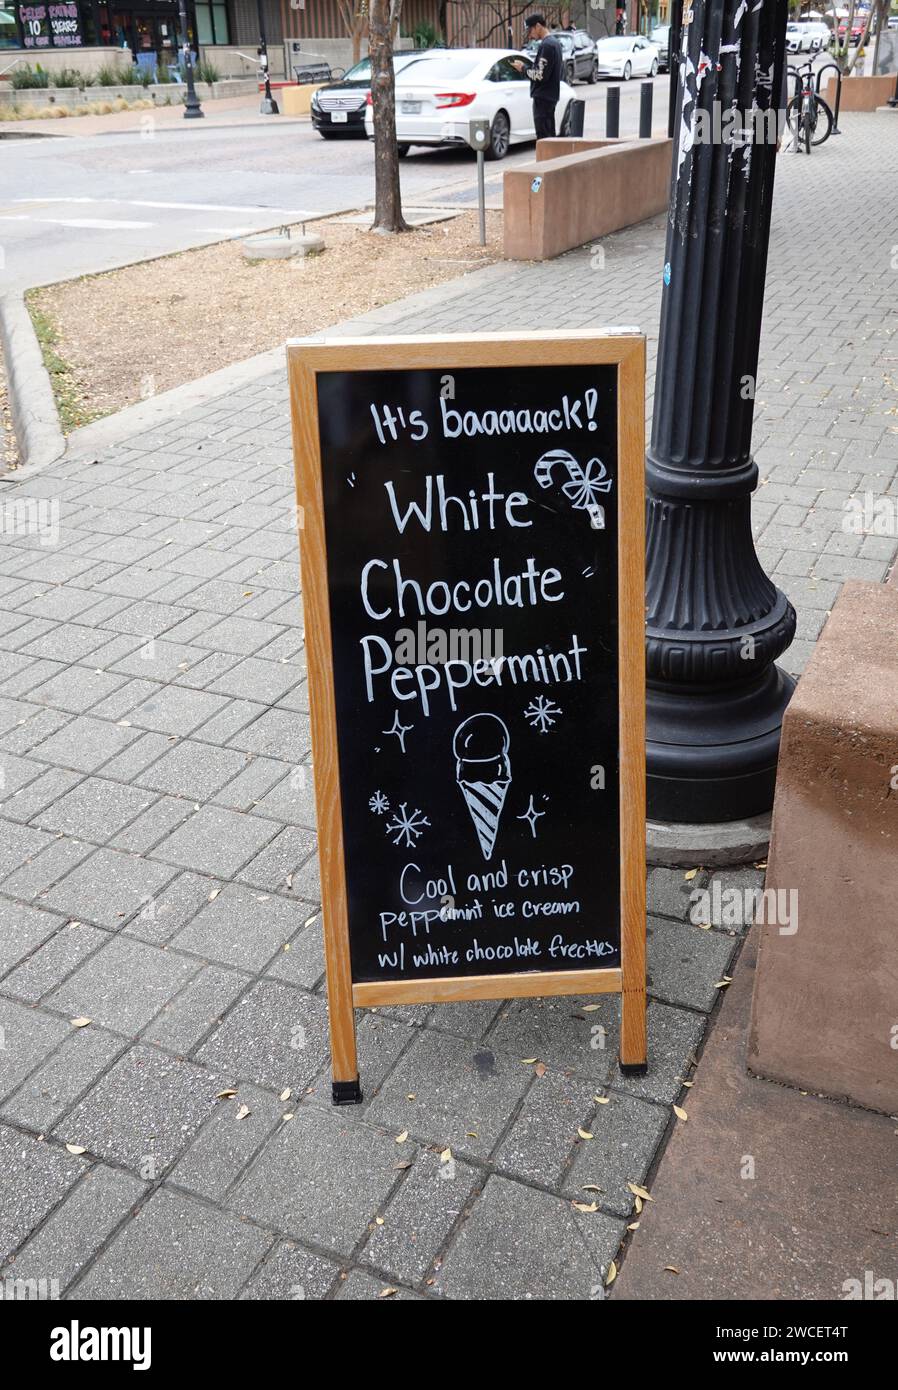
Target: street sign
[[472, 572]]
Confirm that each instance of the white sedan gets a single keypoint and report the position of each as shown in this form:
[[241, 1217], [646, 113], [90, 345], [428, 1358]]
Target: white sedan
[[626, 56], [436, 100]]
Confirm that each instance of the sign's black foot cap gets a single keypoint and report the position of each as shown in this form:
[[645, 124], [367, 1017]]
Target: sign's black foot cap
[[346, 1092], [634, 1068]]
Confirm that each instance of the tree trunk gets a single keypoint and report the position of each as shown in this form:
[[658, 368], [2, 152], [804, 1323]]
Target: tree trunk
[[387, 195]]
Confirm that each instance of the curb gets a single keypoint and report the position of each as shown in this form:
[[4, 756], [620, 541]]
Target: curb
[[145, 415], [31, 404]]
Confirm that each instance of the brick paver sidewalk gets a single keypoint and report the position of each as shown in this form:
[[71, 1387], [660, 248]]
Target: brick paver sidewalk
[[157, 844]]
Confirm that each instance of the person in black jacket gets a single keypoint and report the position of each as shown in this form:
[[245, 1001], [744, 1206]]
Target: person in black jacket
[[545, 75]]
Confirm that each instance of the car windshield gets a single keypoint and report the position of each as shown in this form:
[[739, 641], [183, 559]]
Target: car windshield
[[452, 68], [616, 43]]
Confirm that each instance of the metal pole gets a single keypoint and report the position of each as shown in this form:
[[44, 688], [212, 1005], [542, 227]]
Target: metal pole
[[192, 109], [612, 113], [715, 622], [268, 106], [645, 110], [481, 197]]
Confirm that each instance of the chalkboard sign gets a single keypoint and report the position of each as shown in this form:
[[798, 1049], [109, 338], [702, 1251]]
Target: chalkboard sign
[[472, 541]]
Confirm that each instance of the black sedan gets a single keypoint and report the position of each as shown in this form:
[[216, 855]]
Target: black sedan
[[338, 108]]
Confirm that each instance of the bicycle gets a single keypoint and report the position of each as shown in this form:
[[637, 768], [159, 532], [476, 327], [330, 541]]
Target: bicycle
[[808, 117]]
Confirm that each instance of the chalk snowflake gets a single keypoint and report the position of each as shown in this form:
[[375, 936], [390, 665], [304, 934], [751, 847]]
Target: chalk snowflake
[[406, 827], [379, 803], [542, 713]]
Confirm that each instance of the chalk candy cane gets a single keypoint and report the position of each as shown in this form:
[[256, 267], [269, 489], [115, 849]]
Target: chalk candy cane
[[581, 487]]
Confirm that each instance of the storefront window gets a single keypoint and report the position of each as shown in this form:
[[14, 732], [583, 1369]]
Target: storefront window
[[212, 24], [9, 31]]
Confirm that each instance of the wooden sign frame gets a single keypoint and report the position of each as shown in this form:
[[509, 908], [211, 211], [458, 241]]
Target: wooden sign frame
[[306, 358]]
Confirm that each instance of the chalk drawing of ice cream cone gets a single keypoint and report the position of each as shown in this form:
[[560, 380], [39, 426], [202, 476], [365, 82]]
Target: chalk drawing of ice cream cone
[[483, 773], [583, 485]]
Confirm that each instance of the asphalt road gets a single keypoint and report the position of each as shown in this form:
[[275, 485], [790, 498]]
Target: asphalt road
[[73, 205]]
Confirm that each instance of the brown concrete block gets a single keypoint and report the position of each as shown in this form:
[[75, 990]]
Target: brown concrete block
[[861, 93], [601, 186], [826, 995]]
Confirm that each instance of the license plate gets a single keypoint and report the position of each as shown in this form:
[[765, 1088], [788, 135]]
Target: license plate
[[339, 117], [411, 108]]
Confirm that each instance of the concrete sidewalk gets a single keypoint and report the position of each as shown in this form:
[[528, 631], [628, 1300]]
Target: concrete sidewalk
[[157, 844]]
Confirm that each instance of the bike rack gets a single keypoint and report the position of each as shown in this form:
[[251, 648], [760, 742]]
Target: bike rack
[[838, 72]]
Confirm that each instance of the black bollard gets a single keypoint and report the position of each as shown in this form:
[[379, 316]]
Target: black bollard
[[578, 112], [612, 113], [645, 110], [715, 622]]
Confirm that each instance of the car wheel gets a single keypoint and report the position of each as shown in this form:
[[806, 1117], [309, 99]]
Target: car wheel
[[569, 74], [654, 71], [627, 72], [500, 136], [594, 72], [402, 151]]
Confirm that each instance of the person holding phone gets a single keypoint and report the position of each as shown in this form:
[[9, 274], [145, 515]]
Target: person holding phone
[[545, 75]]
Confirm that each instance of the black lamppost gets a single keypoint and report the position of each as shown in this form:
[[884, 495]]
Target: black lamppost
[[715, 621], [192, 108], [268, 106]]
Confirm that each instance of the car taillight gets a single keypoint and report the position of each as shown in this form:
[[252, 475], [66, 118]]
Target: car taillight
[[368, 99], [453, 99]]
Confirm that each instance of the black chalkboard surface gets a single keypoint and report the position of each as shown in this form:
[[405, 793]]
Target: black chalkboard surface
[[473, 590], [473, 584]]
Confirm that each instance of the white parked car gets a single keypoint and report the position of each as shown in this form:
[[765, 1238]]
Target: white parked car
[[807, 36], [626, 56], [436, 100]]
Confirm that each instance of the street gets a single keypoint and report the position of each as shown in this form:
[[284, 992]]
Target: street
[[155, 184]]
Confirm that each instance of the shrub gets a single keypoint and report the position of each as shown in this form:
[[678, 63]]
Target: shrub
[[110, 75], [22, 78], [207, 72], [71, 77]]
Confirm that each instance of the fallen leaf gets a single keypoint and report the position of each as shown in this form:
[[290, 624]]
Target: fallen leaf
[[722, 984], [81, 1022], [671, 1269], [288, 1116], [680, 1112], [243, 1112], [540, 1068], [640, 1192], [584, 1134], [602, 1100], [471, 1134], [285, 1094], [410, 1096], [406, 1163], [446, 1156], [688, 1083], [633, 1226], [378, 1221], [588, 1207], [76, 1149], [387, 1292], [214, 894], [225, 1095], [638, 1205], [590, 1008], [690, 874], [612, 1274], [528, 1061], [761, 864], [401, 1138], [591, 1187]]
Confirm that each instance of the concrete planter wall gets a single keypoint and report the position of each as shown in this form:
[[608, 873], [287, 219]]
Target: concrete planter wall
[[162, 94]]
